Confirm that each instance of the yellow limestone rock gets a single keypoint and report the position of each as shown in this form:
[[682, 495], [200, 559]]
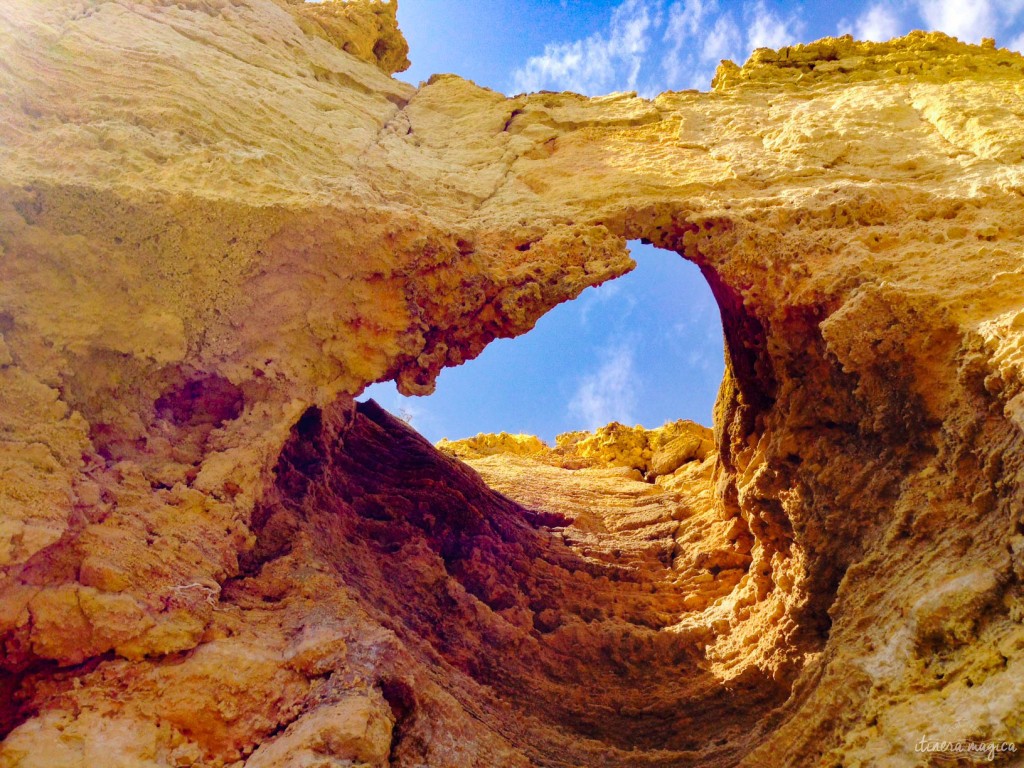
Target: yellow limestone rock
[[356, 730], [487, 445], [367, 29], [219, 221], [651, 452]]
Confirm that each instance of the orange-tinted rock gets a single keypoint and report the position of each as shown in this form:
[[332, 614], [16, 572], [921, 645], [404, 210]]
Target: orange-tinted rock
[[219, 221]]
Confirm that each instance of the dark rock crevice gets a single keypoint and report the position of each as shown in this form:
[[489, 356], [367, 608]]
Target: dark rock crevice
[[522, 628]]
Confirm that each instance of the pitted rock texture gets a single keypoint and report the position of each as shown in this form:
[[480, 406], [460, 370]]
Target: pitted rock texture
[[650, 452], [221, 219]]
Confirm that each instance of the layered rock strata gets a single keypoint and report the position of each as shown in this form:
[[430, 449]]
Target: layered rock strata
[[221, 219]]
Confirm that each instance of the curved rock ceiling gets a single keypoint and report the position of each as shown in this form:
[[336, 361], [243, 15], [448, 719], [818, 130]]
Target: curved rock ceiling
[[221, 219]]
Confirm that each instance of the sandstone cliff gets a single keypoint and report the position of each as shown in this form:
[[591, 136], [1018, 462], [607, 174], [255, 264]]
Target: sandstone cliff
[[221, 219]]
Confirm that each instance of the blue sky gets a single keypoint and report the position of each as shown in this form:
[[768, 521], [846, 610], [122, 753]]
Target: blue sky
[[642, 349], [599, 46], [646, 348]]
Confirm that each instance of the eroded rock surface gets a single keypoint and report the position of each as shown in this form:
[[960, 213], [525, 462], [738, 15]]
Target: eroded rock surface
[[220, 220]]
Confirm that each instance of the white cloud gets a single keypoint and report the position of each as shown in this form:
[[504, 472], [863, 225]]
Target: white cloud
[[879, 23], [1017, 44], [609, 393], [685, 18], [970, 21], [723, 41], [698, 42], [767, 30], [687, 38], [599, 63]]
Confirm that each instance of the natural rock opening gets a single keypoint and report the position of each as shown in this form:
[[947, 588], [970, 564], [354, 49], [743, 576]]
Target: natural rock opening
[[614, 601], [643, 348]]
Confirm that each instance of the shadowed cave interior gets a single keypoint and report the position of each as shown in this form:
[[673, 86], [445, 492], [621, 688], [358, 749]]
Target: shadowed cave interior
[[597, 567]]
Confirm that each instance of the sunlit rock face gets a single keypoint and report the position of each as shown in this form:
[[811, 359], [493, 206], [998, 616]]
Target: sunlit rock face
[[220, 220]]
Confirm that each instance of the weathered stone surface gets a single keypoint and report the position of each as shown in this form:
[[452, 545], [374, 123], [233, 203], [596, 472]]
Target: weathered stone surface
[[357, 730], [651, 452], [221, 220]]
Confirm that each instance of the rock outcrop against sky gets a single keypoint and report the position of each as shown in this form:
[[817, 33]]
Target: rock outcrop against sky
[[221, 220]]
